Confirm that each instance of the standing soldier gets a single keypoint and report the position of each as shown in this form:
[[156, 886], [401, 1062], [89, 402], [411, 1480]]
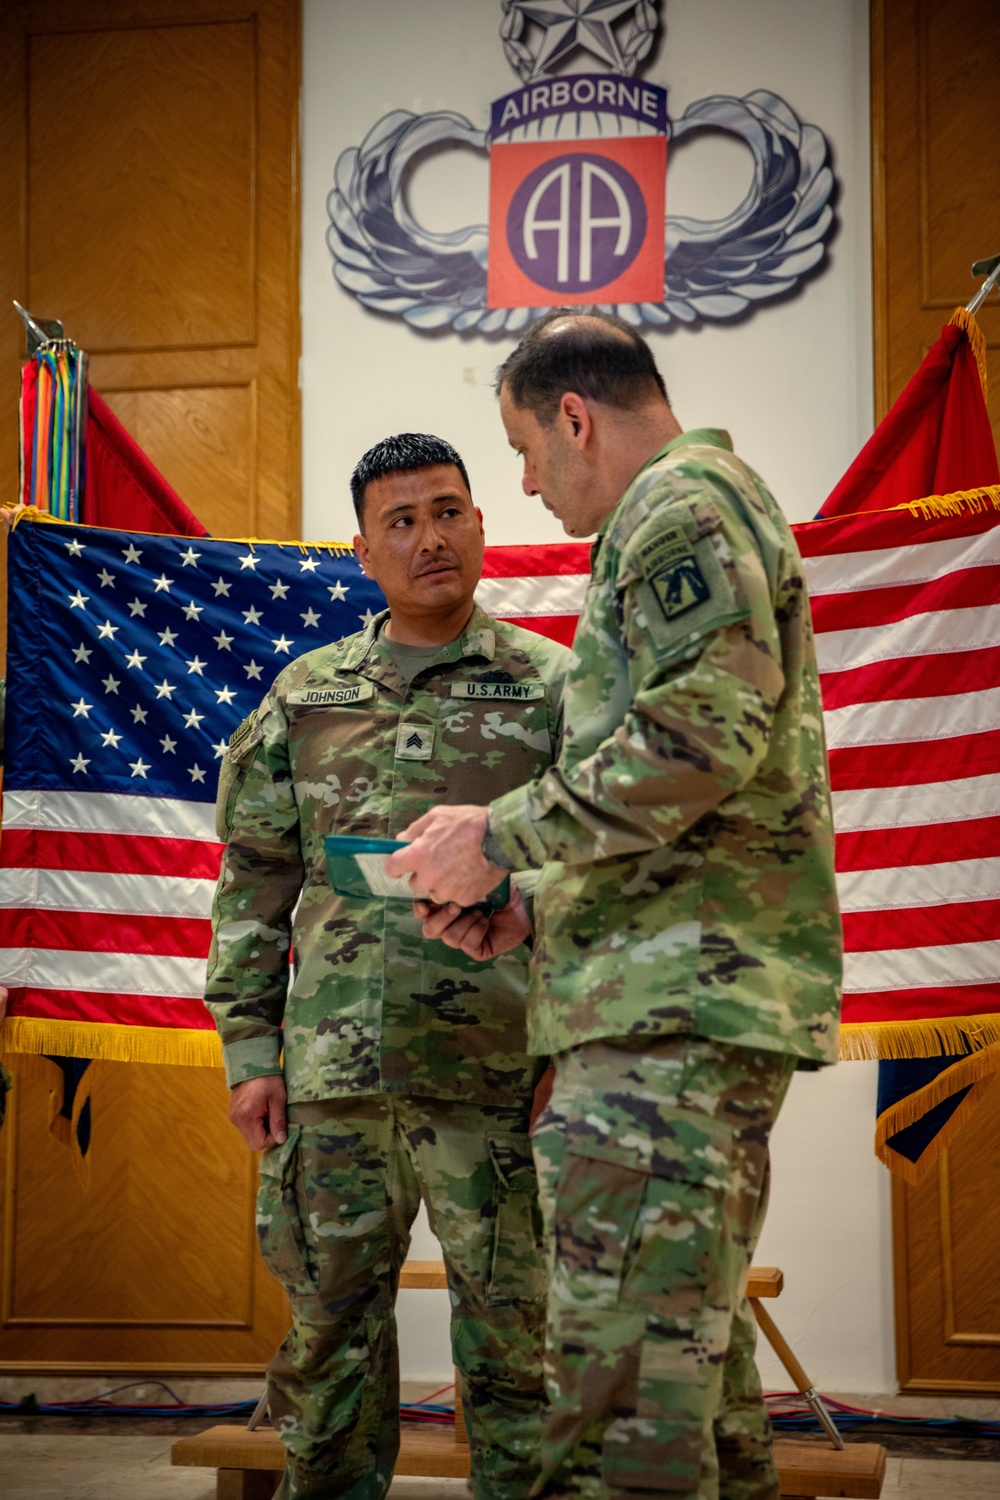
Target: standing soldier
[[406, 1072], [688, 948]]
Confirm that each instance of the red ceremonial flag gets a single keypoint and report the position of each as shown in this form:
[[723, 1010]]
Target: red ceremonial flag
[[122, 488], [936, 439]]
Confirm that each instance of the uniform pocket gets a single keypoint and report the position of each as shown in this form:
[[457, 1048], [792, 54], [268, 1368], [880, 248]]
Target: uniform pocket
[[517, 1265], [642, 1226], [643, 1263], [233, 772], [279, 1220]]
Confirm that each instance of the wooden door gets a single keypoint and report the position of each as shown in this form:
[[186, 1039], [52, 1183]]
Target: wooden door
[[149, 199], [935, 179], [936, 209], [149, 1261], [945, 1235]]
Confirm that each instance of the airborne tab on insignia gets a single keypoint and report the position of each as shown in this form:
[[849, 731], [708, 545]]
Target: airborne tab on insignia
[[673, 572]]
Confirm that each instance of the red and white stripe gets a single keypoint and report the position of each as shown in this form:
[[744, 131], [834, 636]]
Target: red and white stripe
[[907, 618], [541, 588], [107, 904], [108, 898]]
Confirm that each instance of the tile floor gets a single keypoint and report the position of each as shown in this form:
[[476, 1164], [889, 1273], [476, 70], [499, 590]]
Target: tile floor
[[102, 1465], [81, 1466]]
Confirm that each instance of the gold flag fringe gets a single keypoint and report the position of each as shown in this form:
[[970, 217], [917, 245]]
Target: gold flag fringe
[[185, 1048], [336, 549], [933, 507], [960, 318], [975, 1073], [939, 1036]]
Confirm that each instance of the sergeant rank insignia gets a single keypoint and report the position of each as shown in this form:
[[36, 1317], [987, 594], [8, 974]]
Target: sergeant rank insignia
[[414, 742]]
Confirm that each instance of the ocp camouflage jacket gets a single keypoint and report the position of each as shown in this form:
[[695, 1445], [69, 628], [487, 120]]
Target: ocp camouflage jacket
[[341, 745], [685, 831]]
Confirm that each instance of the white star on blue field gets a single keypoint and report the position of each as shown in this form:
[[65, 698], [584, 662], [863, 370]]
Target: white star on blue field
[[133, 658]]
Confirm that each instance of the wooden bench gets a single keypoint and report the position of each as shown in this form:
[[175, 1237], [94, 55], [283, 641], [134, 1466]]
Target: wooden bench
[[249, 1463]]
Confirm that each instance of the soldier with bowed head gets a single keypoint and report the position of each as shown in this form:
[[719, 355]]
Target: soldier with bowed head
[[687, 948]]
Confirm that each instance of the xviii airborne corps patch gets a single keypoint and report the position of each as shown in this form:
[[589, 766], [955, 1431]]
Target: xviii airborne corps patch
[[674, 573]]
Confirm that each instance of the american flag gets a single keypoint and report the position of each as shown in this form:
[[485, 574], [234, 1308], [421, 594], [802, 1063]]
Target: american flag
[[906, 609], [132, 658]]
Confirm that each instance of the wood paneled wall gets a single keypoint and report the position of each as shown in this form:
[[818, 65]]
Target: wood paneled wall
[[935, 179], [149, 199]]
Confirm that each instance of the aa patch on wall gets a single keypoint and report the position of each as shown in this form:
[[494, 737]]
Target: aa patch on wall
[[576, 222]]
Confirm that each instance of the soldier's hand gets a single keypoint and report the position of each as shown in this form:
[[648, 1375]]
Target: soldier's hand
[[259, 1110], [445, 856], [480, 935], [3, 1001]]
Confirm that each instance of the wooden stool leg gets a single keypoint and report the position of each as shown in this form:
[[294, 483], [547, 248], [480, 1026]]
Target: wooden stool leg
[[245, 1484], [803, 1384], [461, 1431]]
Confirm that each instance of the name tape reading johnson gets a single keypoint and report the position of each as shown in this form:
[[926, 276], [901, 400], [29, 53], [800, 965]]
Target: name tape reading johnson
[[318, 697]]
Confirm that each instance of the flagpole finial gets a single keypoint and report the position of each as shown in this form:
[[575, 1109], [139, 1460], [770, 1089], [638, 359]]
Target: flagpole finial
[[38, 331], [991, 270]]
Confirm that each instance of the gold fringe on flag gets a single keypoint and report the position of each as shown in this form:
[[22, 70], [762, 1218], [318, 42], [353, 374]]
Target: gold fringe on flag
[[933, 507], [186, 1048], [975, 1072], [960, 318], [336, 549], [937, 1036]]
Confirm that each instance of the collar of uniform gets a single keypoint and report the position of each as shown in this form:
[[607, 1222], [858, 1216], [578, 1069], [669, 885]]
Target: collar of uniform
[[368, 656], [713, 437]]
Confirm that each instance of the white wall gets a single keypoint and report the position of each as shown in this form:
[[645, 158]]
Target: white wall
[[792, 384]]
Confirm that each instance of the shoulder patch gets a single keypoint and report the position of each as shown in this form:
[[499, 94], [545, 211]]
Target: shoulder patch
[[671, 568], [241, 731]]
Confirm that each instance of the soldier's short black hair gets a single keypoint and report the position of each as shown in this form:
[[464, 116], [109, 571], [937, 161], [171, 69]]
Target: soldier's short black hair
[[597, 355], [401, 454]]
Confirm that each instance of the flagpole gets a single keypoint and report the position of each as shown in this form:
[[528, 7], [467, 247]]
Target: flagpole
[[981, 268]]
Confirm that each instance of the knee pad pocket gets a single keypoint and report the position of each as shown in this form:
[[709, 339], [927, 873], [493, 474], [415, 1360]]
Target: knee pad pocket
[[279, 1223], [516, 1263]]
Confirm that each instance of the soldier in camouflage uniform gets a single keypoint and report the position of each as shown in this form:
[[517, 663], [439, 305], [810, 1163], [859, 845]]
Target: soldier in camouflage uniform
[[688, 949], [405, 1062]]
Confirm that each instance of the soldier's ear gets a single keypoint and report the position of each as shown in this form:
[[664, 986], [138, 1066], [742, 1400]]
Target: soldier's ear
[[363, 555], [575, 415]]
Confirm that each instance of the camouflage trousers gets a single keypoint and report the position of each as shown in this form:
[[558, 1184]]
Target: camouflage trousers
[[653, 1172], [334, 1214]]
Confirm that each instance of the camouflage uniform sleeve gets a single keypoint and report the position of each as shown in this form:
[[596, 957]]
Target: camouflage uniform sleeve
[[259, 884], [704, 681]]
